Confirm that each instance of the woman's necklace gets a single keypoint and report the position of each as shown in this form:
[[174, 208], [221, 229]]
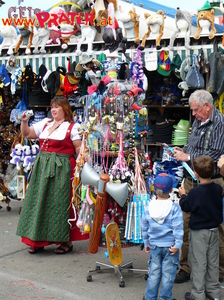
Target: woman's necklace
[[50, 131], [54, 127]]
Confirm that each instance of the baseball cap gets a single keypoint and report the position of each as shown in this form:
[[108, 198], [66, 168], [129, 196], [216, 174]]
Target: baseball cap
[[163, 182]]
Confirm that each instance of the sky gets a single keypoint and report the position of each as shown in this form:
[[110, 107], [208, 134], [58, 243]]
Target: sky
[[188, 5]]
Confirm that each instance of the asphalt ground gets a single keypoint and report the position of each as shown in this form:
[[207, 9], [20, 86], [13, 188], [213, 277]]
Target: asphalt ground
[[47, 276]]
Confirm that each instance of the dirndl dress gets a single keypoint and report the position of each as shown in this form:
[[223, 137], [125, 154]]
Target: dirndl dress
[[47, 206]]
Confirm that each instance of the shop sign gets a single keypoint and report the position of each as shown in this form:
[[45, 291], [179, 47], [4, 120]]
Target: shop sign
[[17, 16]]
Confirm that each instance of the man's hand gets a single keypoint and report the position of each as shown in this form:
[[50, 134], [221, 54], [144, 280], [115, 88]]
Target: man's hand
[[147, 249], [179, 155], [220, 162], [173, 250], [178, 149]]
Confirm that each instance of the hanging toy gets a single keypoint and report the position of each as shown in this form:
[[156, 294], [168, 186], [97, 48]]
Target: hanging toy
[[137, 68]]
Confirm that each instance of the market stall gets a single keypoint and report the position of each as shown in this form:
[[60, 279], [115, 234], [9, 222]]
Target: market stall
[[127, 81]]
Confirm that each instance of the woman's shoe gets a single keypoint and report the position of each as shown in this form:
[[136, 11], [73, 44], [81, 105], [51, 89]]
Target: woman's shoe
[[35, 250], [63, 249]]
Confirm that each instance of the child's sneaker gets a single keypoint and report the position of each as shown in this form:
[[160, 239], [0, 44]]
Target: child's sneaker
[[188, 296]]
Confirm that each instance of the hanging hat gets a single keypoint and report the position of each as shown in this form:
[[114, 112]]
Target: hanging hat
[[151, 61], [216, 78], [4, 77], [164, 64], [81, 66], [206, 6], [175, 65], [184, 68]]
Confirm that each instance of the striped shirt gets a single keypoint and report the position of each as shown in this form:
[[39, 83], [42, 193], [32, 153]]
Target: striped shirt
[[207, 139], [163, 235]]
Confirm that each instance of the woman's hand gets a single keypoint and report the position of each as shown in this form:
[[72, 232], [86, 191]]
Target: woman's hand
[[220, 162], [24, 117]]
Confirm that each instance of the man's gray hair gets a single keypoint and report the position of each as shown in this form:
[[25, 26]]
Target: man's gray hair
[[201, 97]]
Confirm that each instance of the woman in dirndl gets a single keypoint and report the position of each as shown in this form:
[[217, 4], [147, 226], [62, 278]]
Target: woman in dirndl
[[47, 206]]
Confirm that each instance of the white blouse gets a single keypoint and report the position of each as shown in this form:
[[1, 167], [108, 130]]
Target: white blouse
[[57, 134]]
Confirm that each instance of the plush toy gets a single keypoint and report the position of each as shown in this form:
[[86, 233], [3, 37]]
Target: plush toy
[[40, 38], [80, 4], [130, 22], [71, 80], [183, 20], [34, 150], [222, 10], [16, 155], [184, 68], [10, 38], [27, 158], [112, 35], [26, 37], [99, 8], [16, 74], [61, 35], [88, 34], [155, 23], [205, 20]]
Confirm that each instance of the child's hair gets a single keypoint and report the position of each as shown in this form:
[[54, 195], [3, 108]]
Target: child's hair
[[204, 166], [163, 195]]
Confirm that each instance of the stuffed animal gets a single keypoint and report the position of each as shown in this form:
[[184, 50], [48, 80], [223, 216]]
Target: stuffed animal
[[10, 38], [205, 20], [26, 37], [183, 20], [16, 74], [80, 4], [222, 10], [88, 34], [99, 8], [112, 34], [155, 23], [16, 155], [40, 38], [130, 22], [27, 158], [34, 150], [61, 35]]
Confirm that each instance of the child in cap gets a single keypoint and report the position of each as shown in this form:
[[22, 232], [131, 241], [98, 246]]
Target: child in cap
[[204, 202], [162, 231]]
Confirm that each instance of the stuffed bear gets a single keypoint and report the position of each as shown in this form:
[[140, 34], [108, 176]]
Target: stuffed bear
[[205, 19]]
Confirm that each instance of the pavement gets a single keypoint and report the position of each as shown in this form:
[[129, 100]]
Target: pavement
[[47, 276]]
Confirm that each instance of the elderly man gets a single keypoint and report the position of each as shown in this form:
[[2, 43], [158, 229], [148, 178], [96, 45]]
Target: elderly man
[[206, 138]]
